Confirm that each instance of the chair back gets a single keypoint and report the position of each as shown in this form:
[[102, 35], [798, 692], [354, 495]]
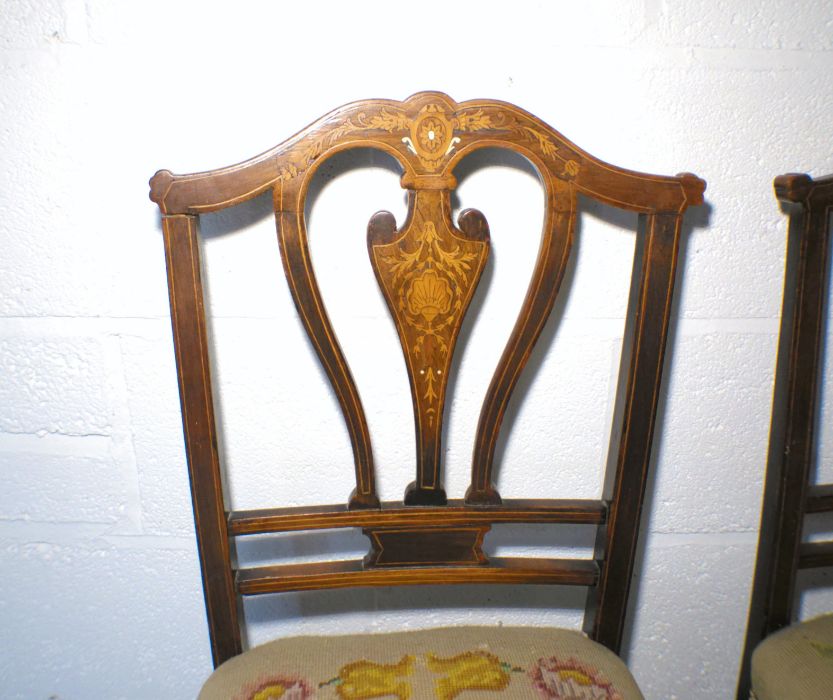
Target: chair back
[[428, 272], [788, 493]]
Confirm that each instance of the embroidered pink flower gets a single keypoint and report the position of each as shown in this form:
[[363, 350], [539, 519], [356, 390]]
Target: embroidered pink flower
[[571, 679], [275, 688]]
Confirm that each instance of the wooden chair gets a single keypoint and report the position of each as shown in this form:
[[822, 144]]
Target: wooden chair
[[428, 272], [795, 662]]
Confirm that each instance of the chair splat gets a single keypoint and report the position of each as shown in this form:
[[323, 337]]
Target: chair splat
[[428, 273]]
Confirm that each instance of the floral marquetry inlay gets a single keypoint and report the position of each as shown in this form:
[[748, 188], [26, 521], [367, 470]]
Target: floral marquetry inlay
[[431, 132], [428, 274], [432, 135], [430, 284]]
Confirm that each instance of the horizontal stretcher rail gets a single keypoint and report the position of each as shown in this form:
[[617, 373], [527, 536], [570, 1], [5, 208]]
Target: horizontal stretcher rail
[[820, 499], [814, 555], [578, 511], [347, 574]]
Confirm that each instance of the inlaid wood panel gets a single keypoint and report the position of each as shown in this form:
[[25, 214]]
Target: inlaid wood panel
[[428, 274], [423, 546]]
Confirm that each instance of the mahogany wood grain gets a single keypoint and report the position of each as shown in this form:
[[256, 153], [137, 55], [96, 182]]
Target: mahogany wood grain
[[428, 272], [393, 514], [422, 546], [191, 347], [307, 296], [540, 297], [813, 555], [787, 493], [646, 330], [819, 499], [384, 123], [347, 574]]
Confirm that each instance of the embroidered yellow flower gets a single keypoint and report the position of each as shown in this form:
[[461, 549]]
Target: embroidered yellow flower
[[362, 680], [824, 650], [471, 670]]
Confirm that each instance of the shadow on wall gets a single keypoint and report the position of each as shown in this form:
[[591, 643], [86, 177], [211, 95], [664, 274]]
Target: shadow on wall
[[695, 218]]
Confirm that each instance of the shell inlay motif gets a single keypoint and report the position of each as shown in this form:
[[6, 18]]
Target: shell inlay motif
[[429, 296], [429, 279], [430, 284]]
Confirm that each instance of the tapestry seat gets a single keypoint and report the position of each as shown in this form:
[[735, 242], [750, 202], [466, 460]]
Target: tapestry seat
[[444, 663], [795, 663]]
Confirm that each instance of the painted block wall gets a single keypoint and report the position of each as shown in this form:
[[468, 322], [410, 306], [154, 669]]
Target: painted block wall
[[100, 594]]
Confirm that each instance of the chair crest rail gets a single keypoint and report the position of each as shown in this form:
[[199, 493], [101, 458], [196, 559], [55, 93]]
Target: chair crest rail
[[428, 133]]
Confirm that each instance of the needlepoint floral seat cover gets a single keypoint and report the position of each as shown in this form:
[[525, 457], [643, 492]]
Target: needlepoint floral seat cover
[[795, 663], [453, 662]]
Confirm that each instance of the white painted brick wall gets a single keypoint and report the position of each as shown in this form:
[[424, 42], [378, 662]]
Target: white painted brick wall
[[100, 593]]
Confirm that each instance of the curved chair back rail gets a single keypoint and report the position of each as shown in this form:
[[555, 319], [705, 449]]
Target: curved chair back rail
[[428, 272], [788, 495]]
